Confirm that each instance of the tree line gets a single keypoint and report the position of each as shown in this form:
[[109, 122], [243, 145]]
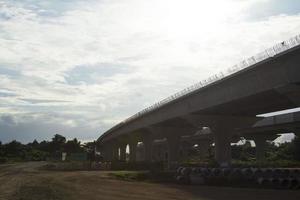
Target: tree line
[[38, 151]]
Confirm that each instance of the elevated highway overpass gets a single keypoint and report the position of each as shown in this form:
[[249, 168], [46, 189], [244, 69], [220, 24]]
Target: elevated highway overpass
[[226, 102]]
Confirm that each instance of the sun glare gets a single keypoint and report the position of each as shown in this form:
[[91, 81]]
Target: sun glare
[[182, 18]]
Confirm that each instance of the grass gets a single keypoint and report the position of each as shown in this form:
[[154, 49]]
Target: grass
[[68, 166], [130, 175], [42, 189], [143, 176]]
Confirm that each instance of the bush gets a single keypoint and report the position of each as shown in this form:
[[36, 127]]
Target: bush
[[36, 155], [3, 160]]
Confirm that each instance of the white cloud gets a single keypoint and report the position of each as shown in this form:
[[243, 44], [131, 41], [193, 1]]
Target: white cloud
[[163, 45]]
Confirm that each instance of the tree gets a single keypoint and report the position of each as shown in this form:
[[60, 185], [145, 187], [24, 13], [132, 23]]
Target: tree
[[90, 148], [44, 146], [59, 139], [244, 152], [73, 146], [15, 149], [57, 143], [1, 149]]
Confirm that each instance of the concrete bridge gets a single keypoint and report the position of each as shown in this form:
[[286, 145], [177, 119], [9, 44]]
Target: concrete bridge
[[226, 103]]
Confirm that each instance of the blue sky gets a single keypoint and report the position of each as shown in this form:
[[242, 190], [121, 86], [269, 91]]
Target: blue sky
[[78, 67]]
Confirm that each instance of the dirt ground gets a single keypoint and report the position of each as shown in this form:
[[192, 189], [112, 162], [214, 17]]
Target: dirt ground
[[24, 181]]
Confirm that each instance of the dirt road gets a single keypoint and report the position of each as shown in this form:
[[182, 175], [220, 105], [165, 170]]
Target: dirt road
[[25, 181]]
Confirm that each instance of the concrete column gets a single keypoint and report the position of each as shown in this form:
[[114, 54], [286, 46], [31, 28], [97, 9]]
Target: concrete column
[[132, 151], [183, 152], [104, 152], [161, 152], [107, 151], [154, 153], [260, 148], [115, 152], [222, 138], [123, 152], [173, 148], [261, 145], [203, 146], [147, 141]]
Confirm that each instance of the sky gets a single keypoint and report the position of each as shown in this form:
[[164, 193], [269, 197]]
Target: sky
[[77, 68]]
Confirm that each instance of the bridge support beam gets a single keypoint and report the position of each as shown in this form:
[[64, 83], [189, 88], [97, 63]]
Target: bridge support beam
[[184, 150], [159, 150], [107, 152], [222, 138], [132, 151], [147, 141], [260, 147], [260, 141], [123, 151], [173, 149], [203, 146], [115, 151]]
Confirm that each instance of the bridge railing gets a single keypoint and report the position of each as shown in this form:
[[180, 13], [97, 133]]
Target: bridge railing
[[268, 53]]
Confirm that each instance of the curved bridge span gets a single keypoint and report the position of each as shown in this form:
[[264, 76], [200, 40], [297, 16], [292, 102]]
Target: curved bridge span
[[226, 102]]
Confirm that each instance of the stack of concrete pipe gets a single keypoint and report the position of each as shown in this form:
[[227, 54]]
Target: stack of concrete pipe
[[280, 178], [260, 177]]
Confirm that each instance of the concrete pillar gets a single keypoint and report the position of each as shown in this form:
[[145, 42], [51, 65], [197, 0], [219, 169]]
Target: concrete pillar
[[261, 145], [222, 139], [184, 149], [173, 149], [104, 152], [158, 151], [132, 151], [147, 141], [161, 152], [155, 152], [107, 152], [260, 148], [115, 152], [203, 146], [123, 151]]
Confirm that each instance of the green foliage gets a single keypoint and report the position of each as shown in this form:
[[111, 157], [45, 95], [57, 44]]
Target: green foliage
[[130, 175], [285, 151], [42, 189], [160, 176], [72, 146], [36, 155], [35, 151], [277, 155], [243, 152], [69, 166]]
